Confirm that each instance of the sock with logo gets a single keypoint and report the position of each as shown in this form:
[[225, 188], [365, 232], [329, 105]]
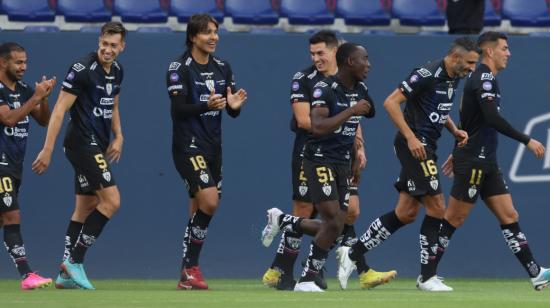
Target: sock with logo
[[429, 232], [15, 247], [315, 262], [195, 236], [517, 241], [90, 232], [287, 252]]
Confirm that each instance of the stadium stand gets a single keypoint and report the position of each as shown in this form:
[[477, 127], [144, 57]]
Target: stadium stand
[[491, 16], [154, 29], [306, 12], [41, 29], [142, 11], [257, 12], [83, 11], [526, 13], [183, 9], [362, 12], [28, 10], [418, 13]]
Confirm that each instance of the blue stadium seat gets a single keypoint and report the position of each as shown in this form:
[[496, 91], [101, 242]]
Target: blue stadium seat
[[491, 17], [154, 29], [41, 29], [140, 11], [90, 29], [362, 12], [28, 10], [184, 9], [526, 13], [256, 12], [306, 12], [418, 13], [83, 11]]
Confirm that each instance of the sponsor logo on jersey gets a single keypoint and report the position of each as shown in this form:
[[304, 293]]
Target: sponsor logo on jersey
[[78, 67], [424, 72], [487, 76], [174, 66], [414, 78], [174, 77], [298, 75], [106, 101]]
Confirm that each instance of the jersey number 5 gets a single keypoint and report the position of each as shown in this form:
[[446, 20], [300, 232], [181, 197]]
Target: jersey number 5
[[324, 174]]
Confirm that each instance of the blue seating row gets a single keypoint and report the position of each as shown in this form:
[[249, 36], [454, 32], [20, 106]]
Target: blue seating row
[[521, 13]]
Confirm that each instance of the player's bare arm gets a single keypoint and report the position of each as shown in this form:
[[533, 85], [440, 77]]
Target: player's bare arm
[[237, 99], [460, 135], [321, 124], [301, 112]]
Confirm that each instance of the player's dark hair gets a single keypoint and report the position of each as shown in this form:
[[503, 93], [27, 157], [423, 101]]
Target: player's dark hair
[[490, 37], [114, 27], [344, 52], [324, 36], [198, 23], [464, 44], [7, 48]]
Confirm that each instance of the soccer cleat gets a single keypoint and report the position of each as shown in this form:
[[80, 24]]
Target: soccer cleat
[[77, 274], [271, 277], [345, 266], [433, 284], [542, 280], [34, 281], [286, 283], [372, 278], [320, 279], [272, 227], [64, 281], [192, 279], [307, 286]]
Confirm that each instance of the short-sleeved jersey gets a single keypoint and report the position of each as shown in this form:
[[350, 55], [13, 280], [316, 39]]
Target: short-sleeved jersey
[[300, 91], [92, 112], [430, 92], [201, 133], [337, 146], [13, 140], [481, 87]]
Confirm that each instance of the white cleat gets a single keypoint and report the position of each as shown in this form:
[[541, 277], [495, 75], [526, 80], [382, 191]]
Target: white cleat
[[272, 227], [433, 284], [345, 266], [542, 280], [307, 286]]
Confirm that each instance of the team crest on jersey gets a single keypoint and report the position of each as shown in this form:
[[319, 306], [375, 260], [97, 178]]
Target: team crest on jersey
[[7, 200], [204, 177], [327, 189], [472, 191], [210, 84], [302, 190], [107, 176], [434, 184], [109, 88]]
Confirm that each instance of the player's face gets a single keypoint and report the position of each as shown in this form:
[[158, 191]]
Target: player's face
[[360, 64], [501, 54], [15, 65], [322, 56], [465, 63], [110, 45], [206, 40]]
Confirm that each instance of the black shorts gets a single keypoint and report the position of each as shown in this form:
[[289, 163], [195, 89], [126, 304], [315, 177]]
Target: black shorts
[[9, 190], [473, 178], [199, 171], [300, 190], [92, 171], [328, 181], [417, 178]]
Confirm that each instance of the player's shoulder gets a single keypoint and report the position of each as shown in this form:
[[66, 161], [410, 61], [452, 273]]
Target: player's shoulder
[[482, 77], [430, 69], [222, 64], [87, 62], [180, 62]]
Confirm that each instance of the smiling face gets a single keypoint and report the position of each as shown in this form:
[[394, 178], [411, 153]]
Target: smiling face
[[501, 54], [322, 56], [464, 63], [15, 65], [110, 46], [205, 41]]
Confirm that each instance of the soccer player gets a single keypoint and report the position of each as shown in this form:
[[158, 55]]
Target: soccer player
[[338, 102], [17, 101], [475, 167], [90, 92], [428, 92], [200, 87]]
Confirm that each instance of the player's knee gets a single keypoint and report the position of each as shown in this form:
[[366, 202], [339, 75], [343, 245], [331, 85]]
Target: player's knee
[[11, 218], [456, 220], [334, 226], [302, 209], [407, 216], [510, 217], [352, 215]]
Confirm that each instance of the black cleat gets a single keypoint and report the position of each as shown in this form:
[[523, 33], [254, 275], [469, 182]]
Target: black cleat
[[286, 283]]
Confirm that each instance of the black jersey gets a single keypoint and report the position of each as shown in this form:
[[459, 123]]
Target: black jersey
[[201, 133], [336, 147], [13, 140], [430, 92], [92, 112], [300, 91], [479, 107]]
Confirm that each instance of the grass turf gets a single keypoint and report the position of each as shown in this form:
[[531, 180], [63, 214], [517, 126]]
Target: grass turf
[[244, 293]]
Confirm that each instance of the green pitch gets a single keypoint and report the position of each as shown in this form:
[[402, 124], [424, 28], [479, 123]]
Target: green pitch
[[251, 293]]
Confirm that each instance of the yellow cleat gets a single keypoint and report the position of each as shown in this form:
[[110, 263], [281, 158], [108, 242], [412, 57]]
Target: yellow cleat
[[372, 278], [271, 277]]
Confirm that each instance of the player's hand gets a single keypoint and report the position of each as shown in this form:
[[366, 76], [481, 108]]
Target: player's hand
[[51, 84], [42, 89], [115, 150], [42, 161], [361, 108], [361, 158], [536, 147], [216, 101], [462, 137], [447, 167], [417, 148], [236, 100]]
